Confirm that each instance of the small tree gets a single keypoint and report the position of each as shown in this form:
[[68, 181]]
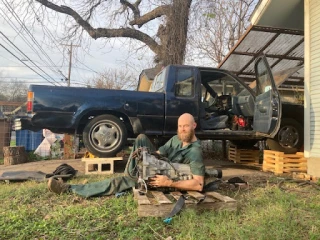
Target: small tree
[[13, 91], [218, 26]]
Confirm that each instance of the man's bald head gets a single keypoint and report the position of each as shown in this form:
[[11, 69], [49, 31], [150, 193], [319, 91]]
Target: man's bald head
[[186, 117], [186, 127]]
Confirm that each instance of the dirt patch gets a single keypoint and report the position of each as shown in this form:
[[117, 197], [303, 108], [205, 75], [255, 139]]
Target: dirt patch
[[46, 166], [228, 168]]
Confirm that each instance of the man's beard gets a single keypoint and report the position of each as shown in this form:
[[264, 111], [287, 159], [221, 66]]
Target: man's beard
[[186, 136]]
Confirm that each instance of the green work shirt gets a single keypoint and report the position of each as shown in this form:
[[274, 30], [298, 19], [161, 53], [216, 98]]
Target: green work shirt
[[190, 154]]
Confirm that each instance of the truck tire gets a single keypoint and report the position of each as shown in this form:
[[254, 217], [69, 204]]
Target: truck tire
[[289, 138], [105, 136]]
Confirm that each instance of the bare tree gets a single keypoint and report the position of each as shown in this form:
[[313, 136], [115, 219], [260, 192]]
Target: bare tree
[[2, 96], [13, 91], [114, 79], [162, 26], [218, 25]]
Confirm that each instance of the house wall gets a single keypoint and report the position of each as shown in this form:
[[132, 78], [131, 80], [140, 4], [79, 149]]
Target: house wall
[[312, 86]]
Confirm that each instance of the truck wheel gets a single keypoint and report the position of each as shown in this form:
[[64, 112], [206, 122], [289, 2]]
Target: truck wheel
[[104, 136], [289, 138]]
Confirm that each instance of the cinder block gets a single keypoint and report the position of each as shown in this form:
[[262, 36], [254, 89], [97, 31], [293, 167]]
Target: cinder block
[[100, 165]]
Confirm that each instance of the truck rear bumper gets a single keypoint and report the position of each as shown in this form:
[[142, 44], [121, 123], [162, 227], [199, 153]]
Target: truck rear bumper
[[25, 124]]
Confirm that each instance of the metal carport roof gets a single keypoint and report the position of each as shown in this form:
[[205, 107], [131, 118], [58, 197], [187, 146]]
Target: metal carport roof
[[284, 49]]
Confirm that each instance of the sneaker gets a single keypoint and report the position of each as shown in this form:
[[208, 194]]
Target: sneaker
[[57, 186]]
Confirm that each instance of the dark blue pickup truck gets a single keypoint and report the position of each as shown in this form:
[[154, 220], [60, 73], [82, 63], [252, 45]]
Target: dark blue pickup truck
[[224, 107]]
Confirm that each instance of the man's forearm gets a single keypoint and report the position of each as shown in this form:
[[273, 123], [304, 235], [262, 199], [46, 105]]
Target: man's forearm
[[191, 184], [195, 184]]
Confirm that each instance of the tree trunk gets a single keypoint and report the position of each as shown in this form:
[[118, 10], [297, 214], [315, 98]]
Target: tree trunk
[[14, 155], [173, 36]]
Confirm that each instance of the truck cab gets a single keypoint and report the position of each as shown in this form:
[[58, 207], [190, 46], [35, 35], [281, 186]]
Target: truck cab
[[223, 105]]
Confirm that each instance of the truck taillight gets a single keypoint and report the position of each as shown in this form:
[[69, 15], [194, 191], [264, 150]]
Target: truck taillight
[[30, 101]]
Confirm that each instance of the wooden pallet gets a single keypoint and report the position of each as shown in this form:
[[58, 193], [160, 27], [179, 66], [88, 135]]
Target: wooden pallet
[[304, 176], [279, 163], [243, 155], [158, 204]]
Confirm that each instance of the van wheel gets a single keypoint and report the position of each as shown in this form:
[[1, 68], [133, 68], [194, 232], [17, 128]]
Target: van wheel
[[105, 136]]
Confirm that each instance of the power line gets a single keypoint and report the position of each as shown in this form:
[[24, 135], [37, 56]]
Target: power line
[[48, 31], [27, 57], [23, 77], [8, 59], [26, 64], [89, 69], [21, 66], [44, 26], [33, 81], [26, 29], [13, 26], [19, 32], [50, 34], [7, 5]]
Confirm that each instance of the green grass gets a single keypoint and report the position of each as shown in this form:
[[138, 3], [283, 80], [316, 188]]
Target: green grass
[[29, 211]]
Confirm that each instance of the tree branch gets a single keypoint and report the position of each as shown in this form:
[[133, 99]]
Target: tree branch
[[133, 7], [96, 33], [155, 13], [137, 3], [92, 9]]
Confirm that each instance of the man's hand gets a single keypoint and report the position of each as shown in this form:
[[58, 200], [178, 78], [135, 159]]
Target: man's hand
[[160, 181]]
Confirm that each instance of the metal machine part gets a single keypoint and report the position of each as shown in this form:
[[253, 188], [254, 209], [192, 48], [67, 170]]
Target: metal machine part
[[149, 165]]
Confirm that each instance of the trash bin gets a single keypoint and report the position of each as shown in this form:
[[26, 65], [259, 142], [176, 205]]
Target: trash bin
[[30, 140]]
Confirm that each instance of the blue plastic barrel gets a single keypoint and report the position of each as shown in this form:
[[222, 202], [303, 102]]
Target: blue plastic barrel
[[30, 140]]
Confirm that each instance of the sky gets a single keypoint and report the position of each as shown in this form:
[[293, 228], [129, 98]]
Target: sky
[[51, 60]]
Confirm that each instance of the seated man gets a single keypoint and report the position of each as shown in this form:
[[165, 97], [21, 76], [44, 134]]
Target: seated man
[[182, 148]]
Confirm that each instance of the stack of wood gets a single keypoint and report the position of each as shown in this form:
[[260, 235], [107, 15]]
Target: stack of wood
[[14, 155], [279, 162], [238, 155]]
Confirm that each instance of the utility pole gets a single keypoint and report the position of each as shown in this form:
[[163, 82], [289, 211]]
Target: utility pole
[[69, 146], [70, 64], [70, 60]]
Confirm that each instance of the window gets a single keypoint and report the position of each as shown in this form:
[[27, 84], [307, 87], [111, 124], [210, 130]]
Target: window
[[185, 83], [225, 85], [158, 82], [264, 81]]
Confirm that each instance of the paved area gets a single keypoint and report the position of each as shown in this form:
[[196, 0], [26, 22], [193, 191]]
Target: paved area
[[228, 168]]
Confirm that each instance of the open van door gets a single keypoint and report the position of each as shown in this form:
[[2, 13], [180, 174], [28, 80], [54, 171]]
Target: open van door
[[267, 111]]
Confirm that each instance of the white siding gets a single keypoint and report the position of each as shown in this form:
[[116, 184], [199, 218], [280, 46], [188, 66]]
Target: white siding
[[314, 120]]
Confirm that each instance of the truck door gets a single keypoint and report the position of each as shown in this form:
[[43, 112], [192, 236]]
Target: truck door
[[182, 96], [267, 112]]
